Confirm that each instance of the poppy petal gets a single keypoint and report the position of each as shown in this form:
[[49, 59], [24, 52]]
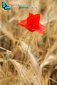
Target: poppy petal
[[23, 23], [30, 18], [32, 24], [30, 15], [41, 29], [37, 17], [31, 30]]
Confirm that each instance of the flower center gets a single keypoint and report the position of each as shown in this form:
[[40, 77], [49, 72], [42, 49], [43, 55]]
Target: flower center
[[31, 25]]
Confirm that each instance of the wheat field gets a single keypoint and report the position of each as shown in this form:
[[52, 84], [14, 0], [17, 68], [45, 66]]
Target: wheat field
[[28, 58]]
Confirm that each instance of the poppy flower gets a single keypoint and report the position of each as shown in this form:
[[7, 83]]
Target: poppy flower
[[32, 23]]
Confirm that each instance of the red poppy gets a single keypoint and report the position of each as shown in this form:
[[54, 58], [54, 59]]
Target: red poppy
[[32, 23]]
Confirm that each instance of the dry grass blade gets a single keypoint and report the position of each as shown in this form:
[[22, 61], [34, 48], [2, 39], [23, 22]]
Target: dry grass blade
[[34, 65], [22, 71], [26, 75]]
